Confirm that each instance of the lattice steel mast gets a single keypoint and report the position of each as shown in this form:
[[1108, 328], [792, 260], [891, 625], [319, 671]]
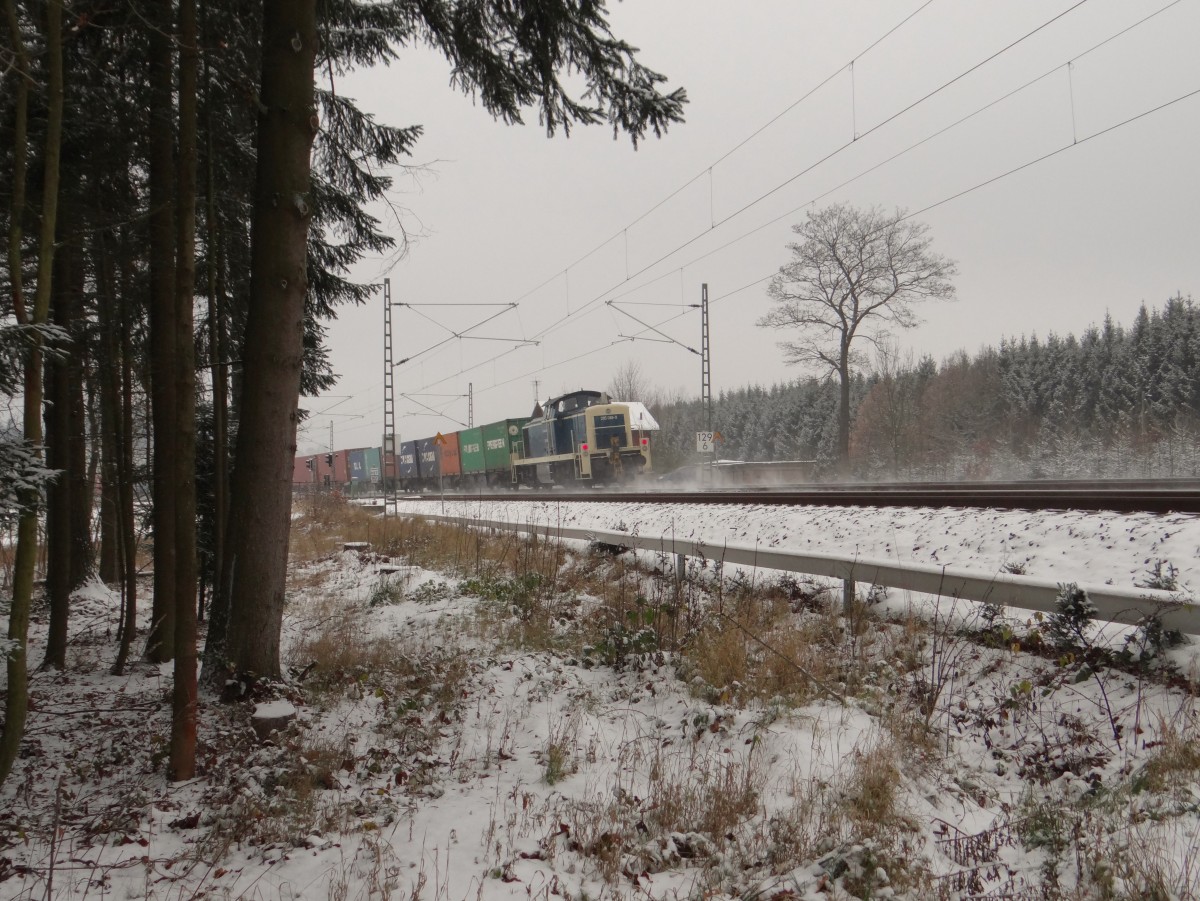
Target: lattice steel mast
[[387, 465], [705, 360]]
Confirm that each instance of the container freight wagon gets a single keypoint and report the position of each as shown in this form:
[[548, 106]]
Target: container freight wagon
[[324, 467], [357, 464], [373, 465], [315, 471], [341, 469], [389, 469], [449, 460], [581, 437], [408, 471], [302, 471], [487, 452], [428, 462], [389, 463], [471, 461]]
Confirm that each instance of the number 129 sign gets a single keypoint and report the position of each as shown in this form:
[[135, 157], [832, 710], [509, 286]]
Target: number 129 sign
[[704, 442]]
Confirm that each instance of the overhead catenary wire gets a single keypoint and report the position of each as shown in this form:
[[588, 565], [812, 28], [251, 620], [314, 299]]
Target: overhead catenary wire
[[573, 315], [453, 334], [807, 169], [992, 180], [565, 272], [895, 156], [908, 149], [653, 329], [838, 150], [424, 406]]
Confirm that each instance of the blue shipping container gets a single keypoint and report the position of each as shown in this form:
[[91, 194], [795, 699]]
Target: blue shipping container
[[430, 459], [358, 466], [407, 463]]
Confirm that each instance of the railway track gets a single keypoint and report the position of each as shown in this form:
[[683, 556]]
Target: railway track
[[1123, 496]]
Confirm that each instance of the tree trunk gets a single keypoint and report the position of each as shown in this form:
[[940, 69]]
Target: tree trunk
[[79, 485], [184, 696], [76, 477], [108, 563], [218, 615], [59, 547], [216, 350], [257, 543], [128, 533], [16, 705], [160, 644], [111, 421], [843, 435]]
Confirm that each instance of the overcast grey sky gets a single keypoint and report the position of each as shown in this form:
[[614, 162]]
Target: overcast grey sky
[[504, 214]]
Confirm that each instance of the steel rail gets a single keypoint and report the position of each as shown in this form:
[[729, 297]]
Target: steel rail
[[1121, 497], [1126, 606]]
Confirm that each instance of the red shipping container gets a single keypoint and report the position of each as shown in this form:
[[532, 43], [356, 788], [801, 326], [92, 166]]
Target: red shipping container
[[301, 474], [324, 469], [451, 463], [341, 467]]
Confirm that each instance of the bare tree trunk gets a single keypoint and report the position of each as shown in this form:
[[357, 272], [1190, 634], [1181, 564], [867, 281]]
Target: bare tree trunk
[[116, 412], [163, 334], [184, 693], [78, 484], [843, 435], [107, 563], [69, 502], [257, 541], [125, 482], [108, 372], [16, 705], [220, 399], [59, 547]]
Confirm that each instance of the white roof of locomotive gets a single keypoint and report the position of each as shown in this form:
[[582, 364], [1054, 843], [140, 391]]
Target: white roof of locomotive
[[640, 419]]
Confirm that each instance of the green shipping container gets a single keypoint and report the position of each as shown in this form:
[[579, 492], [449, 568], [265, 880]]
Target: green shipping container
[[374, 471], [500, 439], [470, 449], [486, 448]]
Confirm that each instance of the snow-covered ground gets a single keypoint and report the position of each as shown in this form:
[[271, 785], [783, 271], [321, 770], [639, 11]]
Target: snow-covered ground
[[442, 761], [1067, 546]]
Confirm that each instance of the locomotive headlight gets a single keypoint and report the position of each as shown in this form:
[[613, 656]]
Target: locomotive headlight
[[645, 441], [583, 446]]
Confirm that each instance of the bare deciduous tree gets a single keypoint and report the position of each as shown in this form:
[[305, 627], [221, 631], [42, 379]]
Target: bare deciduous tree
[[854, 272], [629, 383]]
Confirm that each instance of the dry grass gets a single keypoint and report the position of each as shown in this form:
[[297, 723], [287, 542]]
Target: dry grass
[[325, 523], [758, 648], [1144, 862], [686, 805], [1174, 766], [872, 805], [337, 652], [559, 757]]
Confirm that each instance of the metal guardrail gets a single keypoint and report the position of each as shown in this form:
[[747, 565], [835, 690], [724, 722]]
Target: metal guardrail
[[1118, 605]]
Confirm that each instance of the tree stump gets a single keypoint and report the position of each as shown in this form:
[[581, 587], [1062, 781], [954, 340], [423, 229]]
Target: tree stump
[[271, 717]]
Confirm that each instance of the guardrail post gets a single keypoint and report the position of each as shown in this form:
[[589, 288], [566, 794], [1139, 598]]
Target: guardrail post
[[847, 596], [680, 572]]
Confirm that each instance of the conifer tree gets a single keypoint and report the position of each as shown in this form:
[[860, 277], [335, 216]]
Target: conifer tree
[[511, 56]]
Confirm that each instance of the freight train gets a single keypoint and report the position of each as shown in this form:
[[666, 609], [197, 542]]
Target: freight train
[[578, 438]]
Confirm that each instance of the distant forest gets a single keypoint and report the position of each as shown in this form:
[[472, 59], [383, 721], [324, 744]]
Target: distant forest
[[1115, 402]]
